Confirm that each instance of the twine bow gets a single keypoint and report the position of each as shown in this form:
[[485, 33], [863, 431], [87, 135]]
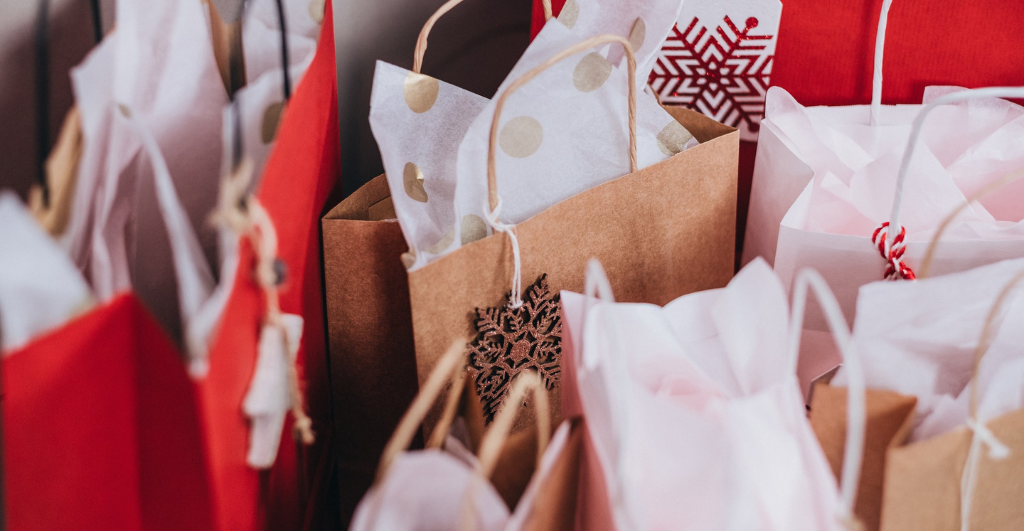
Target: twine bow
[[247, 218], [895, 268]]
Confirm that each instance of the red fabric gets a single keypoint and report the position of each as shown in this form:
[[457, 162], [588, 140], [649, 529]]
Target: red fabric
[[102, 427], [825, 52]]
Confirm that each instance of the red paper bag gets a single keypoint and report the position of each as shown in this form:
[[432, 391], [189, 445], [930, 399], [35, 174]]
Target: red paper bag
[[103, 428]]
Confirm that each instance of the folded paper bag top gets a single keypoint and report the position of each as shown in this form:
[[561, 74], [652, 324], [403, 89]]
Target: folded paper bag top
[[642, 370], [664, 231]]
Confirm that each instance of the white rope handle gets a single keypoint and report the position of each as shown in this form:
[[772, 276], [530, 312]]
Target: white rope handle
[[856, 393], [597, 286], [876, 78], [915, 132]]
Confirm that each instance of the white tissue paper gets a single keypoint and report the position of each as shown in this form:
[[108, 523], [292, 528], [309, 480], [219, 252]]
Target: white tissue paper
[[40, 288], [435, 174], [694, 410], [560, 134], [918, 338]]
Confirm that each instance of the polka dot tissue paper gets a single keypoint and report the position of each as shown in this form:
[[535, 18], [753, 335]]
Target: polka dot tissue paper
[[563, 133]]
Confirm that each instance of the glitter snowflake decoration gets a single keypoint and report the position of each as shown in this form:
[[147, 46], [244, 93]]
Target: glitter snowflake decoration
[[511, 340], [723, 74]]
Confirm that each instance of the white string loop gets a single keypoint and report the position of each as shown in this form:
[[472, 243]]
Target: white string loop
[[996, 449], [515, 299], [856, 418], [980, 436]]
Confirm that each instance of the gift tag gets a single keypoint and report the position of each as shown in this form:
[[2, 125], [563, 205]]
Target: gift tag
[[718, 59], [268, 400], [512, 339]]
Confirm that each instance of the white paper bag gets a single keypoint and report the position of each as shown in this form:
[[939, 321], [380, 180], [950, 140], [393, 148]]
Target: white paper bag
[[825, 181], [694, 411]]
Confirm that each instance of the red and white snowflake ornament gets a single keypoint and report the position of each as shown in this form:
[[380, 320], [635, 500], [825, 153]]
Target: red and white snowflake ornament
[[718, 59]]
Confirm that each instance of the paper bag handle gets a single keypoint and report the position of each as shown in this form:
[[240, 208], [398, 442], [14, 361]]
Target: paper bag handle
[[856, 417], [597, 287], [929, 255], [450, 368], [496, 436], [492, 180], [284, 50], [876, 78], [421, 41], [981, 435], [915, 132], [494, 439], [985, 339]]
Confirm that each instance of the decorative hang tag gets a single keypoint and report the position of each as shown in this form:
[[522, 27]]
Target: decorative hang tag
[[268, 400], [510, 340], [718, 60]]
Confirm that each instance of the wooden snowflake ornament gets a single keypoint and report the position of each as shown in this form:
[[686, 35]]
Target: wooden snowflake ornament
[[511, 340]]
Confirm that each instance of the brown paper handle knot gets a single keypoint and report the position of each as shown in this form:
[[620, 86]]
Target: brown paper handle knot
[[929, 255], [492, 180], [421, 41], [450, 368]]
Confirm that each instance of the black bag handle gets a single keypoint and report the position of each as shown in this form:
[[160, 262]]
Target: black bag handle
[[42, 49]]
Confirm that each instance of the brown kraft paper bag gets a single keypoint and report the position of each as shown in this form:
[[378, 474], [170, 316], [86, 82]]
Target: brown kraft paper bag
[[372, 361], [889, 417], [661, 232], [970, 478], [922, 486]]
